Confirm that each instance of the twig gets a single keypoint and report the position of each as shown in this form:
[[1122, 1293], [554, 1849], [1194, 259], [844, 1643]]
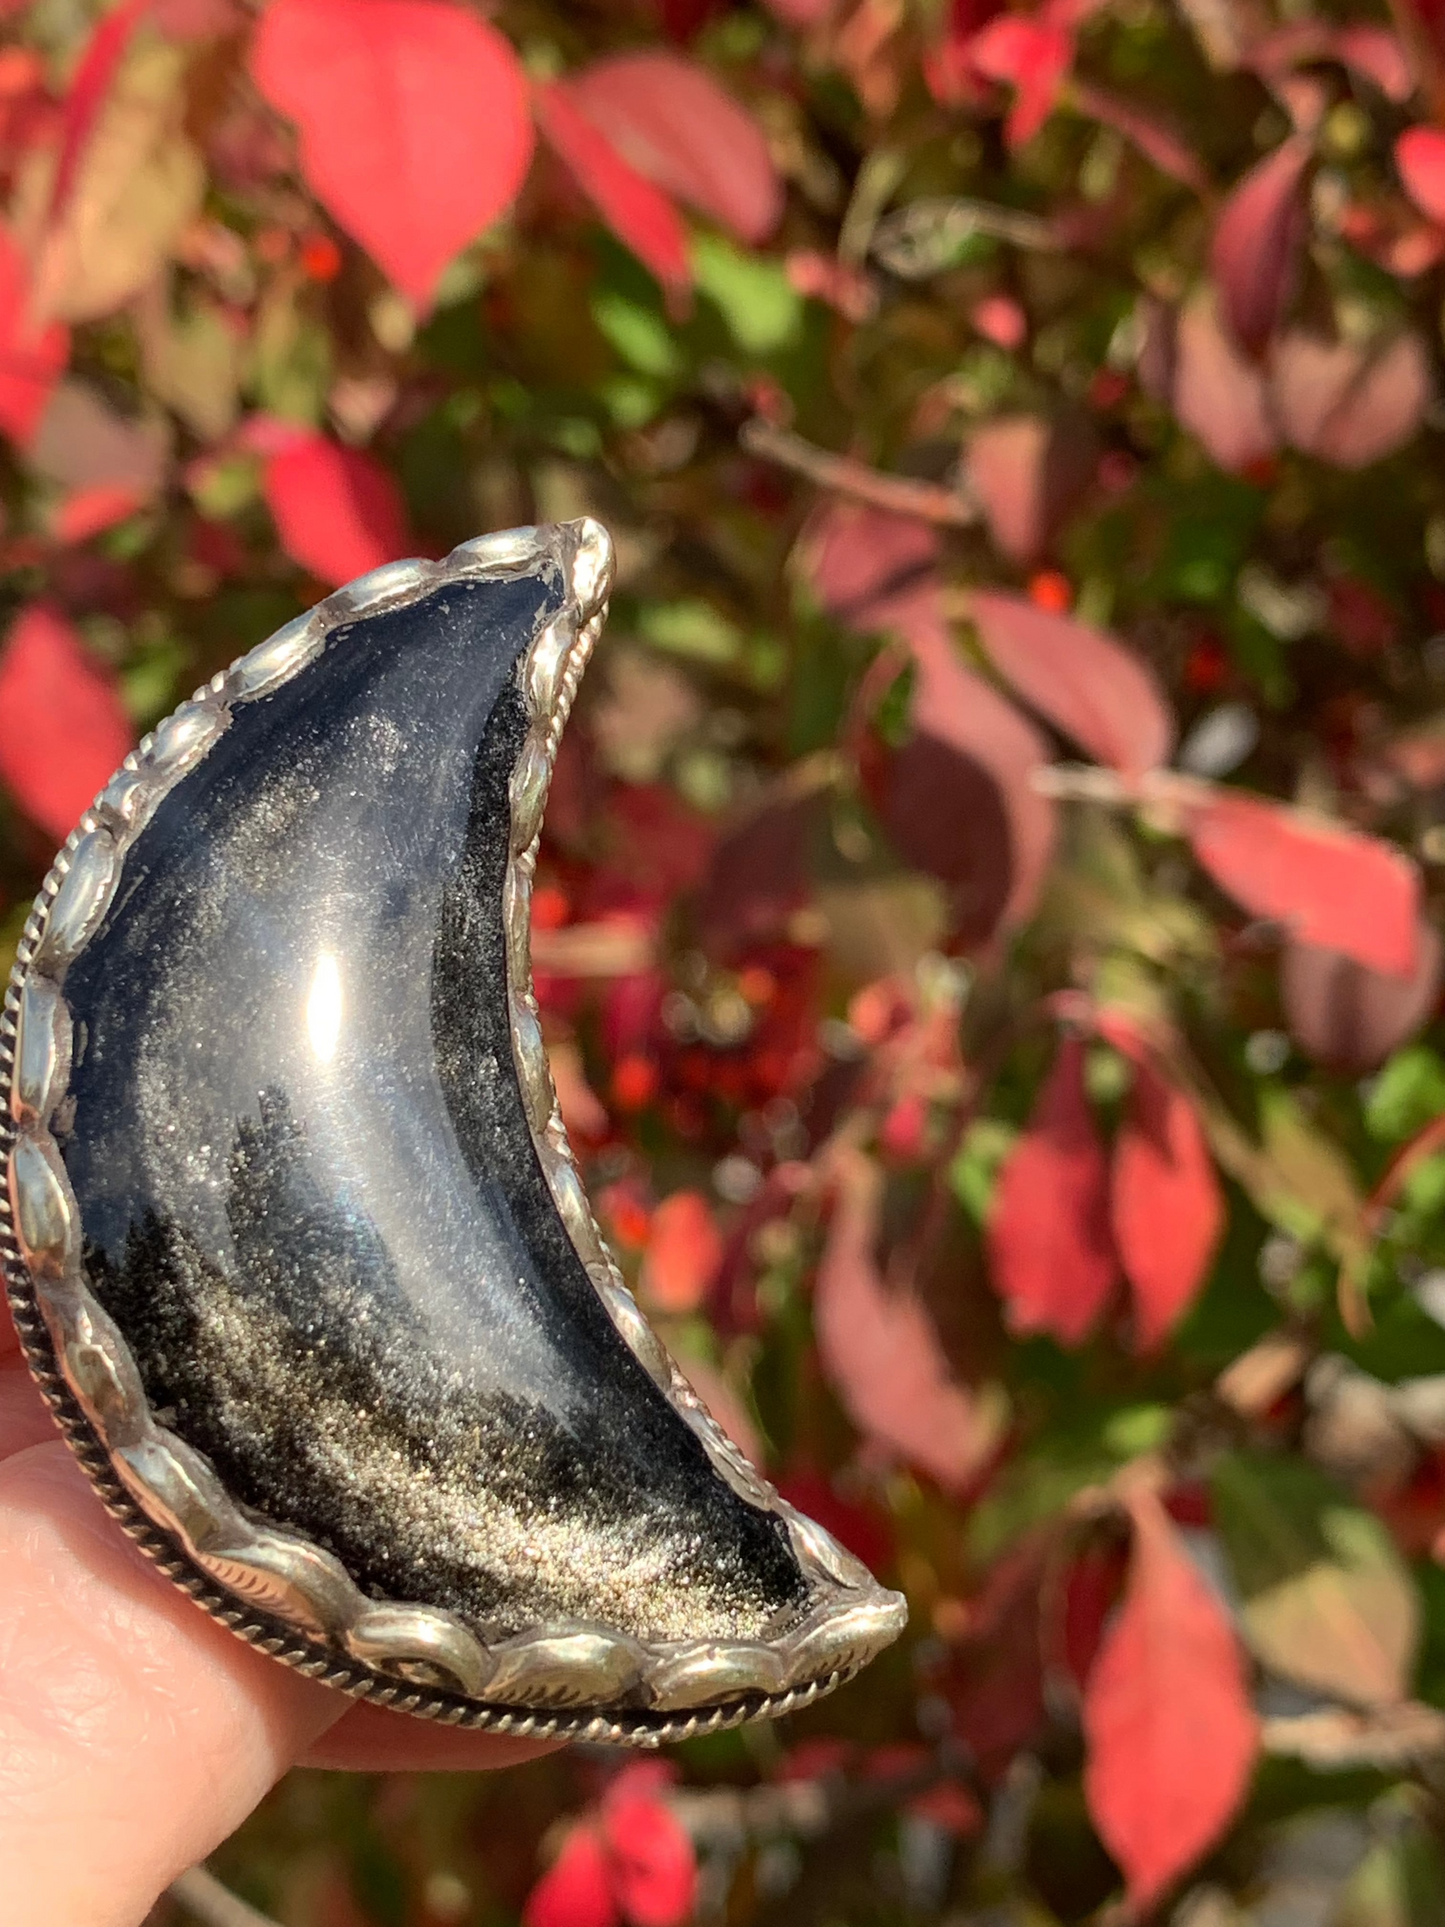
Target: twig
[[201, 1894], [925, 501], [1390, 1737]]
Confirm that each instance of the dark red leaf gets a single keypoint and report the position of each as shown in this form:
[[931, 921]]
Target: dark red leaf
[[676, 125], [1170, 1731], [1218, 395], [336, 509], [995, 1680], [651, 1862], [1346, 404], [1091, 1591], [881, 1352], [866, 1530], [1051, 1255], [1166, 1206], [1352, 1018], [1420, 157], [1083, 681], [31, 358], [1330, 886], [63, 730], [1254, 254], [758, 875], [576, 1890], [639, 214], [414, 122], [1158, 143]]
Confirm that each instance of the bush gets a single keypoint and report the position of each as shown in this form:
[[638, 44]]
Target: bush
[[983, 922]]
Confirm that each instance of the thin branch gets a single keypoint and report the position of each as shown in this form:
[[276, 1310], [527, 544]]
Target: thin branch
[[898, 494], [201, 1894], [1390, 1737]]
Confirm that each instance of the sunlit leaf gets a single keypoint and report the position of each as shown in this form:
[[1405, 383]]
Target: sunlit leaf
[[1327, 1600]]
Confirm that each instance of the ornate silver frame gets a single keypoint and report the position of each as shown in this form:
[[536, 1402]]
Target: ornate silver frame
[[271, 1587]]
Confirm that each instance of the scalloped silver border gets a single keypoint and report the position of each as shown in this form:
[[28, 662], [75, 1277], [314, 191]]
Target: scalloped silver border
[[271, 1586]]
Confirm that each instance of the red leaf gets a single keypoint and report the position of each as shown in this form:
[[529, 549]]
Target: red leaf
[[650, 1857], [684, 1250], [1218, 395], [671, 120], [576, 1890], [1083, 681], [31, 358], [89, 86], [1166, 1207], [1349, 405], [1351, 1018], [336, 509], [1050, 1253], [638, 213], [1033, 56], [415, 132], [881, 1352], [1255, 251], [1170, 1732], [1331, 886], [1420, 157], [62, 728]]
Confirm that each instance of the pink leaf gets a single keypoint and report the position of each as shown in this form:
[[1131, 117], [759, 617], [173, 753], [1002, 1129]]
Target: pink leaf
[[1170, 1732], [415, 131], [1218, 395], [970, 807], [1255, 251], [336, 509], [63, 731], [576, 1890], [639, 214], [1351, 1018], [1050, 1252], [1028, 474], [1347, 405], [1420, 157], [881, 1352], [1084, 682], [651, 1862], [862, 562], [31, 358], [1329, 885], [674, 123], [684, 1250], [1166, 1206]]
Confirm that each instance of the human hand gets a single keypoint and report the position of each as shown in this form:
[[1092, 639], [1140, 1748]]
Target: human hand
[[135, 1732]]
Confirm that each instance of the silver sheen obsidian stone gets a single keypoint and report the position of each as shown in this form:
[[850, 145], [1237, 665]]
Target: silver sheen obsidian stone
[[309, 1197]]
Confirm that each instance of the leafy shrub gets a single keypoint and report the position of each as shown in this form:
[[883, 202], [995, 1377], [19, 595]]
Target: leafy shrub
[[983, 922]]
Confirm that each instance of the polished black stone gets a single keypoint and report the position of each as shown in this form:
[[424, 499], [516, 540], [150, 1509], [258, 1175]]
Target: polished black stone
[[308, 1192]]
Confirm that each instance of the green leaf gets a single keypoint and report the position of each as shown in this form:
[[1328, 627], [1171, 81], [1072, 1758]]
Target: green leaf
[[1326, 1599], [1408, 1093], [639, 334], [760, 306]]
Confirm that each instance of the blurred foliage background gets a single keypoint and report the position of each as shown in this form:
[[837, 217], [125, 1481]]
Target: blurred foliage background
[[984, 921]]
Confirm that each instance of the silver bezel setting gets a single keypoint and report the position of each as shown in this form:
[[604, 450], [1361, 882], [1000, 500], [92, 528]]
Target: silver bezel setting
[[272, 1587]]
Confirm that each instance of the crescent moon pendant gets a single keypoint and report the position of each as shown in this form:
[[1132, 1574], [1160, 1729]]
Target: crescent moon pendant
[[292, 1234]]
